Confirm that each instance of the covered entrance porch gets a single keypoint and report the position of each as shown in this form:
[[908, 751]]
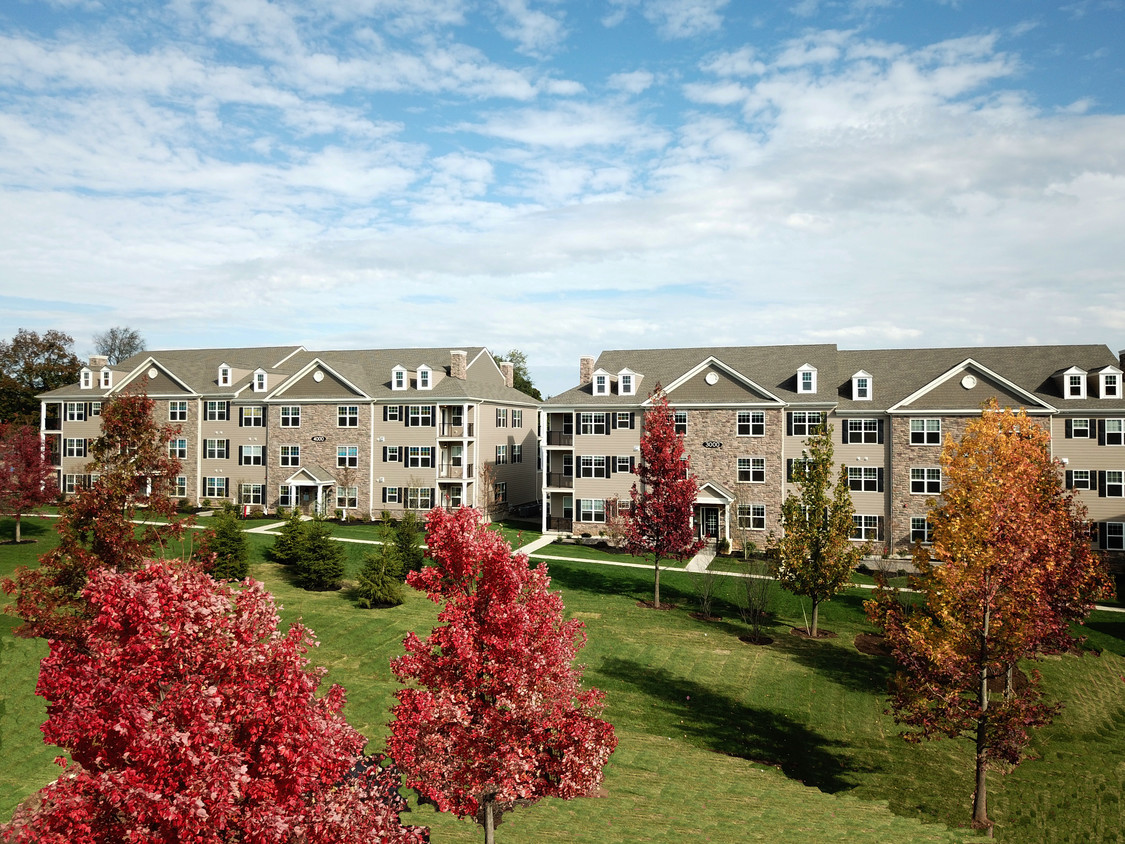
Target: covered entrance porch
[[711, 513], [309, 489]]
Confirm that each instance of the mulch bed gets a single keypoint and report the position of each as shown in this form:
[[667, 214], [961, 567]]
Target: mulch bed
[[698, 616], [648, 605], [804, 634], [761, 640], [872, 644]]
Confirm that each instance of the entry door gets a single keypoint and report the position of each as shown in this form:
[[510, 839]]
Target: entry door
[[710, 525], [308, 499]]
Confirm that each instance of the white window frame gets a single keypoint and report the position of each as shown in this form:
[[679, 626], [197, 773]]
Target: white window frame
[[347, 457], [680, 420], [224, 377], [925, 431], [419, 498], [517, 418], [1075, 384], [806, 379], [864, 431], [517, 453], [347, 416], [625, 383], [74, 411], [1074, 429], [807, 423], [74, 447], [501, 455], [215, 449], [594, 512], [289, 456], [399, 381], [177, 448], [177, 411], [425, 378], [500, 492], [1116, 437], [251, 494], [501, 417], [1115, 536], [95, 408], [252, 416], [106, 379], [212, 484], [1111, 385], [1114, 483], [290, 416], [590, 423], [179, 487], [394, 413], [259, 382], [393, 495], [216, 410], [752, 516], [751, 470], [622, 463], [863, 478], [925, 480], [751, 423], [1082, 479], [921, 530], [865, 528], [861, 386], [87, 380], [252, 455], [420, 457], [420, 416], [347, 497]]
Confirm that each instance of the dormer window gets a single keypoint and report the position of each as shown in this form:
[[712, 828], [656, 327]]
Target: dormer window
[[259, 381], [1073, 383], [861, 386], [601, 383], [425, 378], [1110, 383], [107, 378], [806, 379], [87, 379], [398, 378], [626, 383], [224, 375]]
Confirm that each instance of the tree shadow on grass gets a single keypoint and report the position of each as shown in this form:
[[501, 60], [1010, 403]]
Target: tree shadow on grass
[[837, 661], [609, 580], [31, 527], [726, 725]]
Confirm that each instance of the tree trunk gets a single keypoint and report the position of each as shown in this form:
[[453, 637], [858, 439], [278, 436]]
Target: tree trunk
[[656, 593], [980, 796], [489, 827], [17, 528], [815, 615]]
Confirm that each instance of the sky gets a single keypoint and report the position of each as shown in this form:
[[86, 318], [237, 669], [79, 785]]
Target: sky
[[564, 177]]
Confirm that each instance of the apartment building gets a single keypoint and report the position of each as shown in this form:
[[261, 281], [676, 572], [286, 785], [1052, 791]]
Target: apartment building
[[746, 412], [355, 431]]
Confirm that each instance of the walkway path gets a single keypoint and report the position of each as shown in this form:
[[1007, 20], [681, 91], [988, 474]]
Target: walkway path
[[703, 559]]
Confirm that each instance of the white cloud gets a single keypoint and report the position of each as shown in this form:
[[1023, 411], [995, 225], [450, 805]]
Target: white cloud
[[685, 18], [569, 126], [534, 31], [634, 82]]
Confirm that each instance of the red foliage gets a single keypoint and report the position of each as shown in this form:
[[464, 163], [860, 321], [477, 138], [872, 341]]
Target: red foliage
[[27, 479], [660, 520], [192, 718], [97, 527], [497, 714]]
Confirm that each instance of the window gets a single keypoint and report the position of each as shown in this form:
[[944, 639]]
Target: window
[[452, 497], [1078, 428], [925, 432], [1110, 382], [1079, 479], [347, 457], [285, 496], [681, 421], [1115, 536], [865, 528], [391, 454], [624, 419], [217, 411], [1115, 484], [420, 457], [752, 517], [215, 449], [1074, 385], [179, 488], [250, 494], [920, 530], [251, 455], [95, 408], [107, 379], [592, 466], [862, 390], [591, 423], [74, 448], [71, 483], [517, 418], [347, 497], [805, 423], [796, 468], [500, 492], [517, 453], [752, 470], [501, 417], [591, 510], [392, 413], [863, 430], [290, 455], [291, 416], [420, 416], [501, 454], [251, 417], [177, 449], [177, 411], [347, 416], [601, 385], [625, 384], [87, 379], [259, 382], [806, 379], [391, 495], [215, 487], [925, 480], [751, 423], [398, 378], [224, 376], [1115, 432], [624, 464], [419, 498], [75, 411], [864, 479], [424, 382]]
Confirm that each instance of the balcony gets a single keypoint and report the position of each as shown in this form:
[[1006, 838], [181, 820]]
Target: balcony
[[557, 480], [446, 429], [455, 473], [558, 525], [560, 438]]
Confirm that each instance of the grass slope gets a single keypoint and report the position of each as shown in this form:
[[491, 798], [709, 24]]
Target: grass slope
[[720, 740]]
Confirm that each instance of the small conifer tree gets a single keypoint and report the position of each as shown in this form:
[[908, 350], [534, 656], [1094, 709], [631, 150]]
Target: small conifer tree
[[320, 559]]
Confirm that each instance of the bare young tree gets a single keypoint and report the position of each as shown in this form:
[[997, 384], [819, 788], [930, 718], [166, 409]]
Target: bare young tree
[[118, 343]]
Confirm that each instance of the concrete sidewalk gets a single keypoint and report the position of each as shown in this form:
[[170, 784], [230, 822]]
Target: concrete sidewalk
[[702, 560]]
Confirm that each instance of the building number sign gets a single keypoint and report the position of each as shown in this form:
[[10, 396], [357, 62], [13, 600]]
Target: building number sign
[[712, 444], [318, 439]]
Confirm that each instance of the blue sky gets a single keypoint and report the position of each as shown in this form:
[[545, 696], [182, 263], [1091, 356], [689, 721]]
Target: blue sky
[[564, 177]]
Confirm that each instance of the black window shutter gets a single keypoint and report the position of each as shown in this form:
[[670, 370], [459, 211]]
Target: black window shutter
[[241, 411], [632, 463], [240, 455], [1069, 432], [789, 424], [433, 497], [880, 529], [226, 450], [844, 431], [1101, 432], [226, 487], [405, 449], [608, 430], [789, 469], [433, 415], [1069, 473], [1101, 484], [386, 408], [881, 431], [879, 481], [609, 466], [1103, 535], [403, 415], [632, 421], [384, 460], [613, 420], [384, 488]]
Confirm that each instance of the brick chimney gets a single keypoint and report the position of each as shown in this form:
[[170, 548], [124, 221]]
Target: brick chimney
[[585, 370], [509, 370], [458, 364], [98, 361]]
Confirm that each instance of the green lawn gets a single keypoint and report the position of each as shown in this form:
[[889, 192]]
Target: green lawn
[[720, 740], [599, 555]]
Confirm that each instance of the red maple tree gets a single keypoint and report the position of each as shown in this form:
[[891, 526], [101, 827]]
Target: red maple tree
[[98, 526], [190, 717], [659, 522], [1014, 570], [27, 478], [496, 715]]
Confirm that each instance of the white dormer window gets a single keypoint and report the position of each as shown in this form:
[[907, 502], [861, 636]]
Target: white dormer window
[[626, 383], [601, 383], [425, 378], [224, 375], [861, 386], [806, 379], [1073, 383], [87, 379], [259, 381], [1110, 383], [398, 378], [107, 378]]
